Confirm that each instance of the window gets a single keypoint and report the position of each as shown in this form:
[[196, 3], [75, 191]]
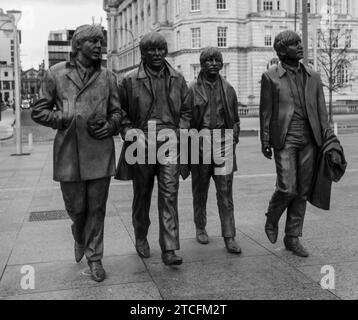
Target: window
[[222, 37], [349, 39], [268, 37], [268, 5], [196, 70], [335, 39], [57, 37], [341, 76], [195, 5], [272, 62], [178, 40], [308, 6], [6, 74], [195, 38], [221, 4], [225, 71], [278, 5]]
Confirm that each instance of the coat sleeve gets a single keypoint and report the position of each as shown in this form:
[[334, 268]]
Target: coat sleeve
[[266, 103], [117, 117], [44, 110], [186, 107], [322, 110]]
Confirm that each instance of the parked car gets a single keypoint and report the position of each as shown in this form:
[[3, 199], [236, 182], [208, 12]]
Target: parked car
[[25, 104]]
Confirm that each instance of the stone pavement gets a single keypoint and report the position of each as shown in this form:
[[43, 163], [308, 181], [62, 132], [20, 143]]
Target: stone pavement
[[263, 271]]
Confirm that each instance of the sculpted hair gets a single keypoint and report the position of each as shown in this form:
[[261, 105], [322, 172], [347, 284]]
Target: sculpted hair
[[210, 52], [283, 40], [153, 39], [83, 33]]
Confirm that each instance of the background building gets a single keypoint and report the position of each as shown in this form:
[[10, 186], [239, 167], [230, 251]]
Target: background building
[[30, 83], [244, 30], [59, 47], [7, 52]]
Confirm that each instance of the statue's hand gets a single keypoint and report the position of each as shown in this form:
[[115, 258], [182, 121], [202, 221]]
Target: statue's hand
[[104, 131], [266, 151]]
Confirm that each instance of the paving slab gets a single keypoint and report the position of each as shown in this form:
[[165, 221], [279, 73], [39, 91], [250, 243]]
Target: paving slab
[[215, 276], [300, 291], [127, 291], [67, 275], [345, 280], [53, 241]]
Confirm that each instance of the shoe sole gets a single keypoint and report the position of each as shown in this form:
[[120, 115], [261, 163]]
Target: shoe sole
[[175, 263], [143, 255]]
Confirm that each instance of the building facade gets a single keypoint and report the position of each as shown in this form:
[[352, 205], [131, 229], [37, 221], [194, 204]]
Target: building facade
[[244, 30], [59, 47], [31, 82], [7, 56]]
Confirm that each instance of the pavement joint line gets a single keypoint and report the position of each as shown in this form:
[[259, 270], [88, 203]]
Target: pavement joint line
[[125, 183]]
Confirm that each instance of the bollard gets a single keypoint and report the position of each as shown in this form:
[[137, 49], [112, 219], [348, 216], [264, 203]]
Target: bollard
[[336, 129], [30, 141]]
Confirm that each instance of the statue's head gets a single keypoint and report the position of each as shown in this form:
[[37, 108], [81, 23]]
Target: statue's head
[[153, 49], [288, 46], [88, 39], [211, 61]]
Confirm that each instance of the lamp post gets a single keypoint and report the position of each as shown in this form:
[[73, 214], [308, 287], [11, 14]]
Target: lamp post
[[133, 49], [15, 17]]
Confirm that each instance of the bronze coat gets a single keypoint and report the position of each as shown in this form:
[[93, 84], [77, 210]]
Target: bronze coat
[[78, 156], [277, 106], [137, 98], [199, 102]]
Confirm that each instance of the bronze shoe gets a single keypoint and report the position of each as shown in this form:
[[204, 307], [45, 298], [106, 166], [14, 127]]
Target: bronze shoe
[[79, 252], [170, 258], [232, 246], [97, 272], [142, 247], [293, 244], [271, 231], [202, 236]]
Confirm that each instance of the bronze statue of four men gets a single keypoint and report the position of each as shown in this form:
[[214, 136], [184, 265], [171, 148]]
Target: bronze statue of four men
[[82, 101]]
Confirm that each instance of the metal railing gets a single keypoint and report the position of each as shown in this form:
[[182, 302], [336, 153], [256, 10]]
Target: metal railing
[[254, 111]]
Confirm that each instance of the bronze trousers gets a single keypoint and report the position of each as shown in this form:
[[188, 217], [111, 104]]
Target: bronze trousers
[[295, 168], [85, 203]]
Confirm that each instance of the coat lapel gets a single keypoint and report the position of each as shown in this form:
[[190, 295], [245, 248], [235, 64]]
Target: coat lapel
[[91, 80], [75, 78]]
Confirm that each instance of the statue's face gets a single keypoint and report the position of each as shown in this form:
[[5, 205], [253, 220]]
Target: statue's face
[[295, 51], [154, 56], [212, 66], [92, 48]]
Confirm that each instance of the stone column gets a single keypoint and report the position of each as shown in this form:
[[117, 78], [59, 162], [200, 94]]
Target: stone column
[[162, 12], [119, 31], [153, 12], [145, 10], [124, 21], [139, 14], [134, 11]]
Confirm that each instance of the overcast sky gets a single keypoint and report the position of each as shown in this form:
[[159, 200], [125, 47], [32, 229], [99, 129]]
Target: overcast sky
[[39, 17]]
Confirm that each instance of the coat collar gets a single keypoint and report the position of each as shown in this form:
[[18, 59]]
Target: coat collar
[[73, 75], [282, 71], [143, 75]]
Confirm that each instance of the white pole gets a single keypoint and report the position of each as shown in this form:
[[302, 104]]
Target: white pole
[[17, 92], [336, 129]]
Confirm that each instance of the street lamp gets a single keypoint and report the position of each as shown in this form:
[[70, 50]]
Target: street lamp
[[15, 18], [132, 35]]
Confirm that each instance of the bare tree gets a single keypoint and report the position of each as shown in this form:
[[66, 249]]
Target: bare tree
[[333, 60]]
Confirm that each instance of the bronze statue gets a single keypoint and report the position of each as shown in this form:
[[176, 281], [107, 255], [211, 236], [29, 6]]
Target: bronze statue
[[294, 123], [154, 92], [215, 108], [80, 100]]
